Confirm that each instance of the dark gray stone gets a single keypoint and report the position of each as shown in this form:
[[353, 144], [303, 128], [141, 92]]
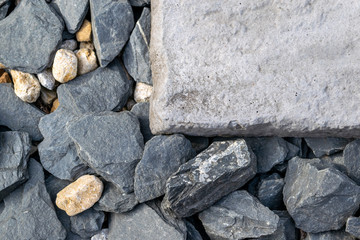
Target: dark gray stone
[[269, 191], [270, 151], [87, 223], [286, 229], [353, 226], [28, 211], [222, 168], [192, 232], [14, 155], [162, 156], [31, 23], [110, 143], [139, 3], [317, 196], [114, 200], [143, 222], [326, 146], [351, 159], [238, 216], [301, 144], [141, 110], [72, 11], [331, 235], [198, 143], [4, 7], [112, 23], [136, 52], [18, 115]]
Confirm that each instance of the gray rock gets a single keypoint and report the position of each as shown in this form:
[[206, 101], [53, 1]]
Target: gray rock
[[31, 23], [269, 191], [46, 79], [331, 235], [115, 200], [70, 44], [301, 144], [141, 110], [326, 146], [238, 216], [4, 7], [103, 235], [18, 115], [162, 156], [353, 226], [112, 148], [192, 232], [72, 11], [28, 212], [222, 168], [136, 52], [139, 3], [198, 143], [112, 23], [14, 155], [144, 223], [286, 229], [87, 223], [352, 160], [317, 196]]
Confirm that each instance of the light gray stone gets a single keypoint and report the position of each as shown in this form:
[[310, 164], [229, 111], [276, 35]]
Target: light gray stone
[[255, 68], [326, 146], [46, 79], [353, 226]]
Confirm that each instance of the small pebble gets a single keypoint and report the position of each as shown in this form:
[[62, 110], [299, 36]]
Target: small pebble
[[4, 77], [103, 235], [55, 105], [142, 92], [84, 33], [26, 85], [80, 195], [88, 45], [46, 79], [86, 61], [70, 44], [47, 96], [65, 65]]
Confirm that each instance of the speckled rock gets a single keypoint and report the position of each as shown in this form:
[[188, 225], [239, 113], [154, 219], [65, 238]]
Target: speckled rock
[[87, 61], [84, 33], [46, 79], [4, 77], [80, 195], [69, 44], [88, 45], [65, 66], [26, 85], [142, 92], [47, 96], [55, 105]]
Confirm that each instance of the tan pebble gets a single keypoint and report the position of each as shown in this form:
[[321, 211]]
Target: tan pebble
[[142, 92], [86, 61], [4, 77], [26, 85], [88, 45], [80, 195], [84, 33], [65, 65], [55, 105], [47, 96]]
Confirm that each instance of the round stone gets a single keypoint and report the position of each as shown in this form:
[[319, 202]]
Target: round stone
[[142, 92], [26, 85], [46, 79], [65, 65], [86, 60]]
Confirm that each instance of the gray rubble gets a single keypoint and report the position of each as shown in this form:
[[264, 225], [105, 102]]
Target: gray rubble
[[87, 223], [269, 191], [326, 146]]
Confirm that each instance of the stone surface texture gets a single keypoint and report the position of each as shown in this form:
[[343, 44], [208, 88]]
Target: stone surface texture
[[286, 228], [26, 86], [65, 65], [353, 226], [32, 22], [87, 61], [275, 56]]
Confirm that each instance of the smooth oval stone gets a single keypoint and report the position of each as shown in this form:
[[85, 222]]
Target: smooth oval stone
[[65, 65], [26, 85]]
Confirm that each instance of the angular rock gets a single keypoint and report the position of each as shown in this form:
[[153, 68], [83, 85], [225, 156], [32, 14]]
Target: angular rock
[[139, 3], [217, 171], [65, 66], [72, 11], [119, 138], [269, 191], [331, 235], [238, 216], [352, 160], [136, 52], [87, 61], [19, 115], [26, 85], [112, 23], [88, 223], [286, 229], [353, 226], [114, 200], [103, 235], [46, 79], [14, 155], [69, 44], [162, 156], [31, 23], [28, 212], [84, 33], [317, 196], [142, 92], [141, 110], [80, 195], [144, 223], [326, 146]]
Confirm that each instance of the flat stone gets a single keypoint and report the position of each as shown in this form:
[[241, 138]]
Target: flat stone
[[88, 223], [80, 195], [28, 213], [72, 11], [46, 79], [65, 66], [112, 23], [84, 33], [352, 160], [87, 61], [26, 86], [112, 150], [326, 146], [275, 57], [32, 22], [330, 235], [18, 115], [217, 171], [317, 196], [286, 228], [353, 226], [238, 216], [136, 52], [14, 154], [269, 191], [162, 156], [141, 110]]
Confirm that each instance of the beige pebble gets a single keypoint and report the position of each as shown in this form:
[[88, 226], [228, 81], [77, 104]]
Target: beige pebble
[[80, 195], [142, 92], [26, 85], [88, 45], [84, 33], [4, 77], [86, 61], [47, 96], [55, 105], [65, 65]]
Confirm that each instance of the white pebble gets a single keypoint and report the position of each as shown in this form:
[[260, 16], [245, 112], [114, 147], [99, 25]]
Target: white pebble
[[65, 65]]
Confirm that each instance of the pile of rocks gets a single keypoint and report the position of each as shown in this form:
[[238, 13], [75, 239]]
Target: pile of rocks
[[78, 159]]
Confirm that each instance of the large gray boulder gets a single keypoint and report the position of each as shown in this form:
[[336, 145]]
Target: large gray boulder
[[32, 24], [217, 171], [17, 114], [317, 196]]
